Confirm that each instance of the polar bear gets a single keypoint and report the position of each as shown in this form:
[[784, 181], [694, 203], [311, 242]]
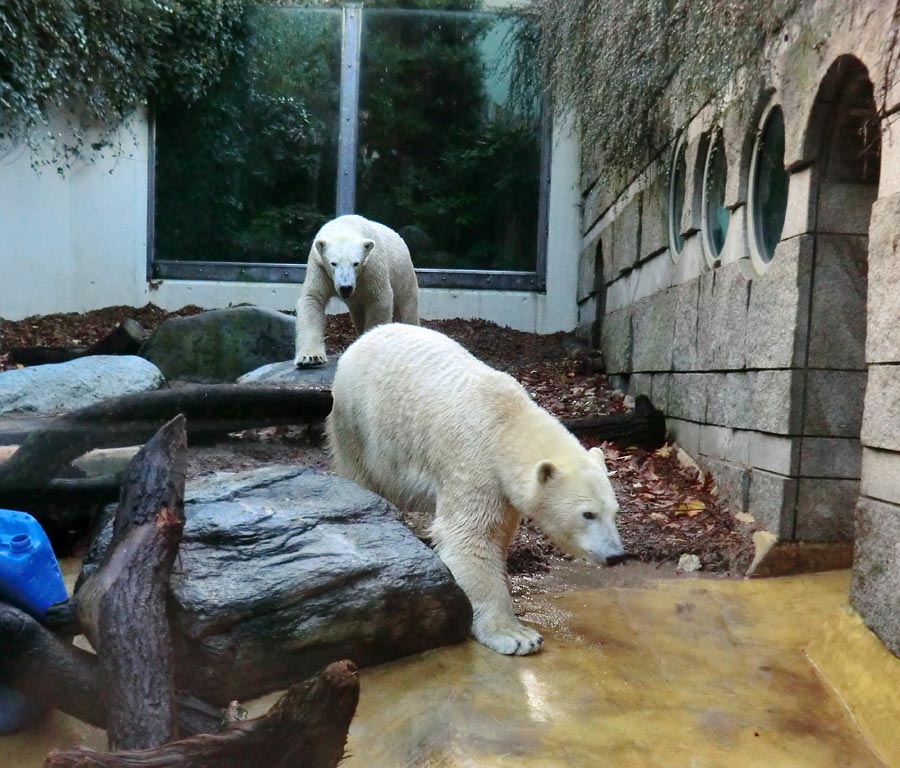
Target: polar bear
[[419, 420], [368, 266]]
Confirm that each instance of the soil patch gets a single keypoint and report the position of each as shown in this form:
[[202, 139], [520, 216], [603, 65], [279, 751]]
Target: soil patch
[[667, 509]]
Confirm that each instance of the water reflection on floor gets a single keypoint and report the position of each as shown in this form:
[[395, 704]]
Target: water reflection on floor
[[692, 673], [643, 672]]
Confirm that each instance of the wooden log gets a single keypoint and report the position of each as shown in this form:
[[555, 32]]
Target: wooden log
[[306, 727], [57, 674], [122, 608], [125, 339], [644, 427], [209, 409]]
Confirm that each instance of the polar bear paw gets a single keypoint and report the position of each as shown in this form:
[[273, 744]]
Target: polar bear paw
[[508, 637], [305, 359]]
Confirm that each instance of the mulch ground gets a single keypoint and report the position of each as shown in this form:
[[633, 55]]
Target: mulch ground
[[668, 508]]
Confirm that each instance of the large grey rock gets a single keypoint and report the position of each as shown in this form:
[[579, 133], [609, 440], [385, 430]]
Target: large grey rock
[[839, 457], [282, 571], [286, 374], [875, 589], [626, 236], [220, 345], [44, 390]]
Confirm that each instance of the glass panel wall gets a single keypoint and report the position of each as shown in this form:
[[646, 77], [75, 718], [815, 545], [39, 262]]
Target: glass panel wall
[[446, 154], [248, 174], [449, 150]]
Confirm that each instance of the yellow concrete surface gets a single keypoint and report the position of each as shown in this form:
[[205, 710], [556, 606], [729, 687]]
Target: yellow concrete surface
[[865, 675], [670, 673], [675, 673]]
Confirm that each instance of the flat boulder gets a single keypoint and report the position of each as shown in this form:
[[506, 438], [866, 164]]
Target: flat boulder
[[47, 390], [220, 345], [286, 374], [282, 571]]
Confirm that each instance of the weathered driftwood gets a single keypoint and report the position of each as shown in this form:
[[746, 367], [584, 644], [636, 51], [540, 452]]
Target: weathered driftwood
[[122, 608], [644, 427], [307, 727], [57, 674], [130, 420], [125, 339]]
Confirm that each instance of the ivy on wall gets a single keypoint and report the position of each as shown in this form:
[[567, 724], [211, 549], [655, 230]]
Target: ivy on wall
[[620, 63], [95, 61]]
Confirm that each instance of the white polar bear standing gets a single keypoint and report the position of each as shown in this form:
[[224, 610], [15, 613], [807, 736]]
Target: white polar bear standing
[[420, 421], [368, 266]]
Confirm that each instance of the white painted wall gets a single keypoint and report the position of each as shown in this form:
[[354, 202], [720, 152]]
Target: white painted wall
[[79, 242]]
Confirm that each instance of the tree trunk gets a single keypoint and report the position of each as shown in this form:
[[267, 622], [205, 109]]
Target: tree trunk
[[125, 339], [56, 674], [307, 727], [122, 608], [644, 427], [130, 420]]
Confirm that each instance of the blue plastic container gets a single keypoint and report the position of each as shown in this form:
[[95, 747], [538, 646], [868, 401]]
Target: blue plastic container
[[30, 580]]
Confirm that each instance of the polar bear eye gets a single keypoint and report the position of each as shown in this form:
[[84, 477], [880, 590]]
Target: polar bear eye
[[355, 263], [333, 263], [589, 515]]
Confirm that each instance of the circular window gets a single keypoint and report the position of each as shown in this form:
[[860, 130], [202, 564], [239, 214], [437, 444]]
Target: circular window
[[768, 188], [675, 208], [715, 214]]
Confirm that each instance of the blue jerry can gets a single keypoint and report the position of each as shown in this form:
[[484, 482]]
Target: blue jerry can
[[30, 580]]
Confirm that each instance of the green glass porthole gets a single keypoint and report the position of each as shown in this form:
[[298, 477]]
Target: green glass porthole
[[675, 208], [715, 215], [770, 187]]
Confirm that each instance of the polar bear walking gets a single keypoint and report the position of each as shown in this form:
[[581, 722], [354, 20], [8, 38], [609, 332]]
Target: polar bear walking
[[420, 421], [368, 266]]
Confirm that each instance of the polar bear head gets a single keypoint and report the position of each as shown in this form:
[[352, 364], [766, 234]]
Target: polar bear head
[[343, 258], [576, 507]]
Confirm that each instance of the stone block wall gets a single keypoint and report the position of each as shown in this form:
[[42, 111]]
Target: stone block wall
[[782, 379]]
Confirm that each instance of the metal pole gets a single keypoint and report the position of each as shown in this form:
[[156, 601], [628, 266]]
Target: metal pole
[[348, 134]]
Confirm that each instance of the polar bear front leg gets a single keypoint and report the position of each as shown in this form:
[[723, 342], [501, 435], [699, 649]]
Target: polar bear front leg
[[379, 312], [476, 560], [310, 343]]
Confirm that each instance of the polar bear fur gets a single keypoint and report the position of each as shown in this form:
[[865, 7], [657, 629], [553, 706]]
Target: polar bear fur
[[368, 266], [420, 421]]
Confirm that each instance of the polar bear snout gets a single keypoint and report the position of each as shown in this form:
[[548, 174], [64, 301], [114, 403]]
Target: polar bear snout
[[346, 291], [601, 542]]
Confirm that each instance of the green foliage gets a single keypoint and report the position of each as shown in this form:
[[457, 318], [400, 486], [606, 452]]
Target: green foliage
[[247, 173], [616, 62], [95, 61], [446, 156]]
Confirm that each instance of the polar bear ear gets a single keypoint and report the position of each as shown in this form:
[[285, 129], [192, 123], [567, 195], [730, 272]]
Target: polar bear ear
[[320, 246], [546, 470], [367, 246], [597, 455]]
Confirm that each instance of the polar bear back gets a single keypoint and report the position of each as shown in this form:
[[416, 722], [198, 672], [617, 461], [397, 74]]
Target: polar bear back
[[414, 411]]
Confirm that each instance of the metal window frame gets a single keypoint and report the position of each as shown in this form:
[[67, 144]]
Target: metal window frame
[[348, 137]]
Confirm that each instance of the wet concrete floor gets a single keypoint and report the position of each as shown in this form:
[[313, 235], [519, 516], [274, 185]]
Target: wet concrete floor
[[668, 673], [647, 672]]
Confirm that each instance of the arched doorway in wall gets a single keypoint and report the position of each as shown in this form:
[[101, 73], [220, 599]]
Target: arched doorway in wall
[[844, 129]]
